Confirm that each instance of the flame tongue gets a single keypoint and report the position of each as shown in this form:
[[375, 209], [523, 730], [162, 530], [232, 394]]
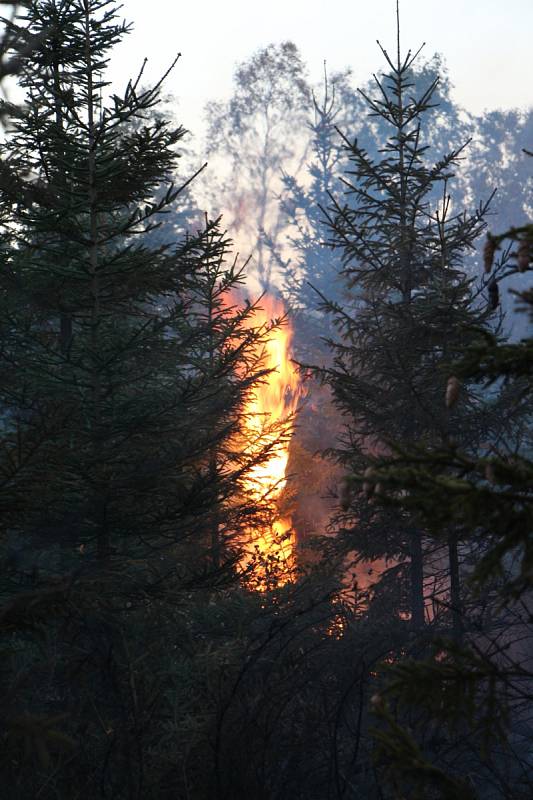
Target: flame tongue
[[273, 402]]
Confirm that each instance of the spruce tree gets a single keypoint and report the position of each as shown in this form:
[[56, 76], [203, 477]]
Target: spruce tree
[[338, 106], [412, 307], [481, 691], [103, 330], [125, 365]]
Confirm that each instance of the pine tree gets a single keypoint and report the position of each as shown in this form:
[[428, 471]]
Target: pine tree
[[337, 106], [101, 327], [125, 364], [480, 692], [412, 308]]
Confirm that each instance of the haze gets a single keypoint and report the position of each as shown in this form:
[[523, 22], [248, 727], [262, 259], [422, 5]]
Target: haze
[[486, 43]]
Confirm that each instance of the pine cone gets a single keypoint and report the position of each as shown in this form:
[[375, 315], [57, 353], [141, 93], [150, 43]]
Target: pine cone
[[494, 295], [488, 252], [522, 255], [490, 475], [368, 486], [453, 388], [345, 494]]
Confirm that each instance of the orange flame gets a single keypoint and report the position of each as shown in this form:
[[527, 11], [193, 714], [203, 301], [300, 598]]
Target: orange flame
[[273, 403]]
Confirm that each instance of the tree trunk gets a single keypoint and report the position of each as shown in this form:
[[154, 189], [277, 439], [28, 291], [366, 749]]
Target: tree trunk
[[214, 521], [455, 589], [100, 487], [417, 580]]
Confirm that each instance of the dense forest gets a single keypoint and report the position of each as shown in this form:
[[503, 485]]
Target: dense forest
[[265, 517]]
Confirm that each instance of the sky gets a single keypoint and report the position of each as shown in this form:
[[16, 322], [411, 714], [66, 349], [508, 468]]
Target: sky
[[486, 43]]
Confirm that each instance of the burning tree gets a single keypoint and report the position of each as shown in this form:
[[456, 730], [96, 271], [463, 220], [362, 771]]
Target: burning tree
[[268, 424]]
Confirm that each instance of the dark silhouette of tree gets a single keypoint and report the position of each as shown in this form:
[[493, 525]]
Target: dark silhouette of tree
[[412, 305], [340, 108], [125, 364], [112, 323], [479, 693]]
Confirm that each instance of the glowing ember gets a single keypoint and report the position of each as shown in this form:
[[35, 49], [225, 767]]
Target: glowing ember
[[272, 404]]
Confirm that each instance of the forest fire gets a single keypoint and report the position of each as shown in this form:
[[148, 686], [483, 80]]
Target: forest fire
[[222, 576], [268, 415]]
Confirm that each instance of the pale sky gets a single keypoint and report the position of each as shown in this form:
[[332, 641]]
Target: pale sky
[[487, 44]]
